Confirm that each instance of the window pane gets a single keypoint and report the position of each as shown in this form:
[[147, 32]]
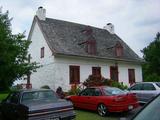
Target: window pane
[[148, 87], [136, 87], [44, 96], [113, 91]]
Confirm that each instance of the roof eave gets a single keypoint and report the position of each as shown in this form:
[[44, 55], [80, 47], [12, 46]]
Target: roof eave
[[104, 58]]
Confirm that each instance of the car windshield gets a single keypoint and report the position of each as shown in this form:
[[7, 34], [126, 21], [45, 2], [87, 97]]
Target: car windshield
[[38, 96], [151, 112], [113, 91]]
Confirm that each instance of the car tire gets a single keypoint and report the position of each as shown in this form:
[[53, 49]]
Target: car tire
[[102, 110]]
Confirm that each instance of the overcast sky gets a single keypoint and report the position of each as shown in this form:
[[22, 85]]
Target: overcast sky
[[135, 21]]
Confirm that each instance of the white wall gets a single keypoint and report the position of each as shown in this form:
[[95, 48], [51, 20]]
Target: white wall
[[44, 74], [63, 63], [38, 42], [55, 70]]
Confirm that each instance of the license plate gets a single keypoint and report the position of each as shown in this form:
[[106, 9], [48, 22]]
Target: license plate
[[130, 107]]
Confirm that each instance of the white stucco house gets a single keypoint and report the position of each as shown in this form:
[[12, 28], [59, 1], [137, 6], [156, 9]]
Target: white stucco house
[[70, 52]]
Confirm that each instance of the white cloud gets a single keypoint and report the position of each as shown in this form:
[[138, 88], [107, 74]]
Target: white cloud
[[136, 21]]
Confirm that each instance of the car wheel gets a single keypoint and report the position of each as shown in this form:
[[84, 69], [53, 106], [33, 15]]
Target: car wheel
[[102, 110]]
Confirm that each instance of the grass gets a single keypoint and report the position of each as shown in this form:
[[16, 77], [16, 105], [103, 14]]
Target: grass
[[91, 115], [3, 96]]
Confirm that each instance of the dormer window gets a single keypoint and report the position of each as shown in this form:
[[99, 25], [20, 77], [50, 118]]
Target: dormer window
[[119, 49], [90, 43], [91, 47]]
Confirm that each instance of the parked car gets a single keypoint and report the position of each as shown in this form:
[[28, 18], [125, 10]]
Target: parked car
[[104, 99], [36, 105], [150, 111], [145, 91]]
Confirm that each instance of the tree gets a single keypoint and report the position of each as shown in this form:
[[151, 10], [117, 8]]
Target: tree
[[13, 54], [151, 54]]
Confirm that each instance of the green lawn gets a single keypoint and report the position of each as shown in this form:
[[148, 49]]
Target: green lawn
[[3, 96], [91, 115]]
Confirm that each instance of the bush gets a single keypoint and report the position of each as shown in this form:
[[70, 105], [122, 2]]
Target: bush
[[101, 81], [75, 90], [45, 87], [113, 83]]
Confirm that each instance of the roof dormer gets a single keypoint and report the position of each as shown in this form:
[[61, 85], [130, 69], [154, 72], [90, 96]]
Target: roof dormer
[[118, 49]]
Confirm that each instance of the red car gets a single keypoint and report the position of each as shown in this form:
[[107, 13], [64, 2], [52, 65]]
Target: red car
[[104, 99]]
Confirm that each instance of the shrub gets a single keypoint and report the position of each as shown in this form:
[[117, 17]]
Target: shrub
[[45, 87], [75, 90], [113, 83], [99, 81]]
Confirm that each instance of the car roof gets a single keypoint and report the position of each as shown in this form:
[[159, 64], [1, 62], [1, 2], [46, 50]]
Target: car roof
[[31, 90], [146, 82], [101, 87]]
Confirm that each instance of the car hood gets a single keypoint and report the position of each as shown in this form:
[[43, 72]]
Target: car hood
[[48, 105]]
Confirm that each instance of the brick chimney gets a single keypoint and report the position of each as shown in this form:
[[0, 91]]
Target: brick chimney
[[41, 13]]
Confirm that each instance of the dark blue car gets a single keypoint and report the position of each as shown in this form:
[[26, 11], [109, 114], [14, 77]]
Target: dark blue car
[[36, 105]]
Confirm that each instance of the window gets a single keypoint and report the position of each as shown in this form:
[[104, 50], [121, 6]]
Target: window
[[148, 86], [119, 49], [131, 76], [96, 71], [114, 73], [42, 52], [91, 47], [74, 74], [136, 87], [14, 98], [91, 92], [113, 91]]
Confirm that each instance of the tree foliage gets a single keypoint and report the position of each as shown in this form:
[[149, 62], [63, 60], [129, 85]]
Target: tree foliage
[[13, 54], [151, 54]]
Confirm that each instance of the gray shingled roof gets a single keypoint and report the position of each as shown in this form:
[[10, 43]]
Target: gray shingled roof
[[63, 38]]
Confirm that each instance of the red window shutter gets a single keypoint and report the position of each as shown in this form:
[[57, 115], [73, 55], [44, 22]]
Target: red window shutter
[[74, 74], [131, 76], [91, 47], [119, 49], [114, 73]]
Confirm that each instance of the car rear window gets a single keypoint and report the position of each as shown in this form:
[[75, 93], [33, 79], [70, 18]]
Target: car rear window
[[39, 95], [113, 91]]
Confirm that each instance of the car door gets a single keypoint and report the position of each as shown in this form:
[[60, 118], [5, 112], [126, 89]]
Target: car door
[[10, 105], [137, 89], [149, 91], [83, 99]]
